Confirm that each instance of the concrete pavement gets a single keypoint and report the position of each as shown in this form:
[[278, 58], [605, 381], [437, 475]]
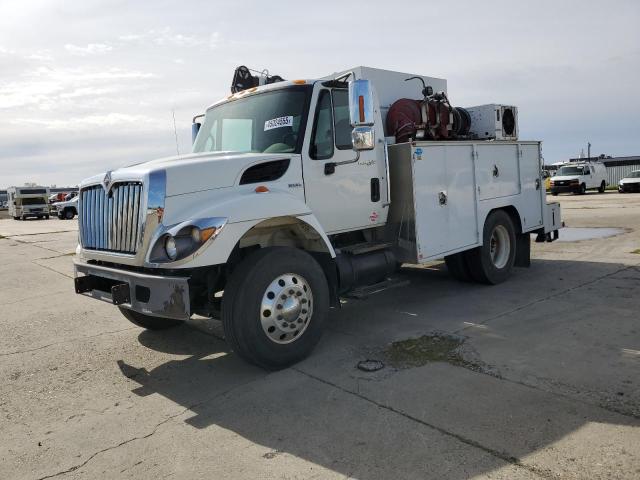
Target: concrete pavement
[[550, 387]]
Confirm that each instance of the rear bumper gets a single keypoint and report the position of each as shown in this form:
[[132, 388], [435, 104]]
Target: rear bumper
[[160, 296]]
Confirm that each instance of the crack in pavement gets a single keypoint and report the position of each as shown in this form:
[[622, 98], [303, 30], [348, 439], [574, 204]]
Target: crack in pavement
[[548, 297], [153, 431], [495, 453], [33, 234], [71, 340]]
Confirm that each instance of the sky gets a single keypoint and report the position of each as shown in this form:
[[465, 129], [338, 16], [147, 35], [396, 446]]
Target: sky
[[94, 85]]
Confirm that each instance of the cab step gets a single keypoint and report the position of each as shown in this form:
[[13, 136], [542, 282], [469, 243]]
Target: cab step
[[365, 247], [362, 293]]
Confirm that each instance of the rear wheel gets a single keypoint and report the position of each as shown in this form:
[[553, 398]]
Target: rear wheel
[[274, 307], [602, 187], [492, 262], [148, 321]]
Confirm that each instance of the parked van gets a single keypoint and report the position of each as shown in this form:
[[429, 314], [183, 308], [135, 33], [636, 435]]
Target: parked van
[[27, 202], [579, 177]]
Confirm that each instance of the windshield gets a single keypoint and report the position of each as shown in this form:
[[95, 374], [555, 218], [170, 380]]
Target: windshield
[[270, 122], [31, 201], [572, 170]]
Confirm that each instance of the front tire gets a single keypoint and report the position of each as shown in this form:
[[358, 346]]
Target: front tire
[[69, 214], [149, 322], [492, 262], [274, 307], [583, 189]]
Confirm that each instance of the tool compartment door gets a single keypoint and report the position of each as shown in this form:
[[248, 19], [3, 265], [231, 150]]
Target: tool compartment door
[[533, 196], [445, 199], [498, 170]]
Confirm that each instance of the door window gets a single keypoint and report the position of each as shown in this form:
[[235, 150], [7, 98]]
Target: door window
[[341, 119], [322, 135]]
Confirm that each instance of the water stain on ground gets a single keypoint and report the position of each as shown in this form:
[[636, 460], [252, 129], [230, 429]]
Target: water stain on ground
[[435, 347]]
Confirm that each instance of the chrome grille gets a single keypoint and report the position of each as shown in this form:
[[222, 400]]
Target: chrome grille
[[111, 222]]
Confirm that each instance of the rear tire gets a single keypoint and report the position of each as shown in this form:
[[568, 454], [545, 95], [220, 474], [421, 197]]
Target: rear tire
[[149, 322], [602, 187], [492, 262], [264, 322], [458, 268]]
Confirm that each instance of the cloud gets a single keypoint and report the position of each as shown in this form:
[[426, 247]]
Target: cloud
[[123, 121], [44, 87], [167, 37], [90, 49]]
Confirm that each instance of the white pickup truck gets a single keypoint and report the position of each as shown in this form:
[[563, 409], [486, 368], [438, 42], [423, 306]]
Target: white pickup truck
[[296, 194]]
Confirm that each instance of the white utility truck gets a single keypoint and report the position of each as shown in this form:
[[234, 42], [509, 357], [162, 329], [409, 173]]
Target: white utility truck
[[578, 177], [300, 192], [25, 202]]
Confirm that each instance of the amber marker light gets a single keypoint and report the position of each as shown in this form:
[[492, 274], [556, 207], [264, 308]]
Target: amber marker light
[[261, 189], [206, 233]]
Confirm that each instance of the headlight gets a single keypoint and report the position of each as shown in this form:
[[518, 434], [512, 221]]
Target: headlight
[[184, 239], [170, 247]]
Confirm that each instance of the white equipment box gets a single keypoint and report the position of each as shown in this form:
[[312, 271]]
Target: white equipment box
[[442, 192], [493, 121]]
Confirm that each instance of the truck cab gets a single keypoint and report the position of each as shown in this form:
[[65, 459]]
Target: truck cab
[[579, 177], [296, 194]]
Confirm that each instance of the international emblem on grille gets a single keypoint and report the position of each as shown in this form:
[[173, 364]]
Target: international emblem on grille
[[106, 182]]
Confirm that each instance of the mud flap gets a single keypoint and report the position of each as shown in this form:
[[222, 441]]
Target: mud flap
[[523, 250]]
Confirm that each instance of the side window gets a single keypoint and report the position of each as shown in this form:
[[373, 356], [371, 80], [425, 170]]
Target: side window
[[322, 136], [341, 118], [592, 170]]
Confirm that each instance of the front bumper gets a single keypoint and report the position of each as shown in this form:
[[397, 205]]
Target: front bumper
[[629, 187], [160, 296], [565, 188]]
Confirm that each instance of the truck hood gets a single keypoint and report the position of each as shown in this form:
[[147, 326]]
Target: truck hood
[[194, 172]]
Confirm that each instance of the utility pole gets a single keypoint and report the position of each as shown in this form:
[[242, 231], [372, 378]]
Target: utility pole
[[589, 150]]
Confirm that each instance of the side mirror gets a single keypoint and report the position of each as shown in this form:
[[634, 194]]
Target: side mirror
[[361, 114], [195, 128]]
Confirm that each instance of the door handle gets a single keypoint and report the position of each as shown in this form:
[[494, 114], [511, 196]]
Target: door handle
[[442, 198], [375, 189]]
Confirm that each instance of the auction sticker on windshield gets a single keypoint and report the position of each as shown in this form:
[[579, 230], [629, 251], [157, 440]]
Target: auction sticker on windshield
[[278, 122]]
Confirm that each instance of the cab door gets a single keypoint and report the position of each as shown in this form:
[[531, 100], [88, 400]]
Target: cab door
[[344, 197]]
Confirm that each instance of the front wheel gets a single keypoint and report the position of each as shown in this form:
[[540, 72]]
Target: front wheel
[[583, 189], [69, 214], [274, 307], [492, 262], [149, 322]]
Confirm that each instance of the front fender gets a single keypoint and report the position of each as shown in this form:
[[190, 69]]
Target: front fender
[[244, 210]]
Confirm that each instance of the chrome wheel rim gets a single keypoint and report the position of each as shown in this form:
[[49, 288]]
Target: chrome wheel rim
[[287, 308], [500, 246]]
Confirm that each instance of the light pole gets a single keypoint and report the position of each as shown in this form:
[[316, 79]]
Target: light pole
[[589, 151]]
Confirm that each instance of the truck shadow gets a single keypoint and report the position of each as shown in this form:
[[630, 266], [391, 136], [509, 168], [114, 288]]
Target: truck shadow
[[397, 423]]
